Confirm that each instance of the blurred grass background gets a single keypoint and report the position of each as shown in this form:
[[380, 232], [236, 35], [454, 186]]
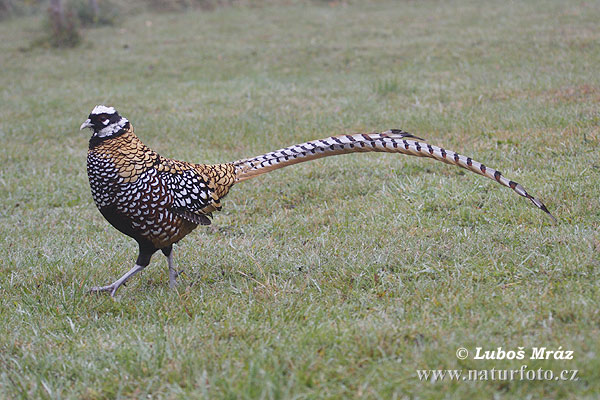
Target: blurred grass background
[[332, 279]]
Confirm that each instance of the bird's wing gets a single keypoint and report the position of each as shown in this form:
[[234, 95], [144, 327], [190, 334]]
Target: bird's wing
[[196, 189]]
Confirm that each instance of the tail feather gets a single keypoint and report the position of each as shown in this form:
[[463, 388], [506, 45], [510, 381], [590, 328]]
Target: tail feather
[[392, 141]]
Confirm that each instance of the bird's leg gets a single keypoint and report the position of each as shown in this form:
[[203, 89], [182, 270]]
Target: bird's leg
[[173, 274], [113, 287], [144, 256]]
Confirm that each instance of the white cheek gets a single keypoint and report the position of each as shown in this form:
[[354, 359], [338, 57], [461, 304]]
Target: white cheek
[[112, 128]]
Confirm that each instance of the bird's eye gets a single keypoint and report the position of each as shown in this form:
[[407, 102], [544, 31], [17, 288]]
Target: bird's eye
[[104, 121]]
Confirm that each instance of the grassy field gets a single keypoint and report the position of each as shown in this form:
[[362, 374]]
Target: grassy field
[[338, 278]]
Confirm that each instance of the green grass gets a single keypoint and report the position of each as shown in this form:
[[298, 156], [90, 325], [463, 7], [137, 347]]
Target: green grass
[[332, 279]]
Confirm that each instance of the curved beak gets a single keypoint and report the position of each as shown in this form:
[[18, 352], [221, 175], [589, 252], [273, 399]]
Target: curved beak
[[86, 124]]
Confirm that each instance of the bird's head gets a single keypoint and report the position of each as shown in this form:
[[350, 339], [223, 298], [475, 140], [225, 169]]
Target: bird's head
[[105, 122]]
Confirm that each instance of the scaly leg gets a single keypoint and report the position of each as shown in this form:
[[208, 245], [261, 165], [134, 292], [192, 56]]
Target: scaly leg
[[173, 274], [113, 287]]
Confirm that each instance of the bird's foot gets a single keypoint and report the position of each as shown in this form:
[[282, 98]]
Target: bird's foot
[[113, 287], [173, 275]]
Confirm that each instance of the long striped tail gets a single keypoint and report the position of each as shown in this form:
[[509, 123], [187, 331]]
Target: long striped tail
[[393, 141]]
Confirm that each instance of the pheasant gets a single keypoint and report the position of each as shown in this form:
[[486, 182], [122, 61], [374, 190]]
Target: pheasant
[[157, 201]]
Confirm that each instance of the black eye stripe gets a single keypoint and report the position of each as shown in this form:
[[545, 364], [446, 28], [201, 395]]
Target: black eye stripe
[[100, 117]]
